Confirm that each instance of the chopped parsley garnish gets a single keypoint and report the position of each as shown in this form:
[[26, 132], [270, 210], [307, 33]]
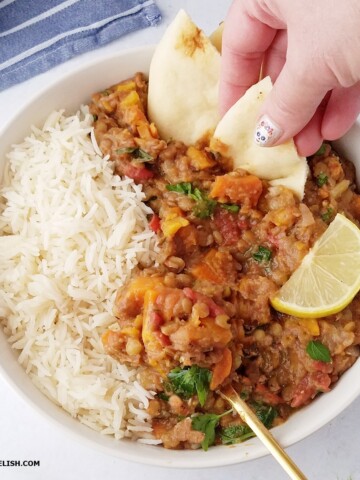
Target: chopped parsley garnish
[[140, 153], [265, 413], [230, 207], [121, 151], [239, 433], [189, 381], [204, 206], [207, 424], [163, 396], [244, 394], [318, 351], [183, 187], [262, 255], [236, 434], [321, 150], [326, 217], [95, 117], [321, 179], [136, 152]]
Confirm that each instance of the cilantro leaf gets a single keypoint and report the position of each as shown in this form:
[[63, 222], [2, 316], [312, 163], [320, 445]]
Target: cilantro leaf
[[182, 187], [321, 150], [230, 207], [140, 153], [265, 413], [262, 255], [136, 152], [204, 206], [207, 424], [318, 351], [163, 396], [197, 195], [321, 179], [326, 217], [236, 434], [121, 151], [189, 381], [239, 433]]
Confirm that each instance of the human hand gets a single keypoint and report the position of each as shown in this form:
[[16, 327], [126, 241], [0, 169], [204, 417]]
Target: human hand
[[311, 50]]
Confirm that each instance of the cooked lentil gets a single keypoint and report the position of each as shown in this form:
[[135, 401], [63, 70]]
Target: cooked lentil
[[227, 241]]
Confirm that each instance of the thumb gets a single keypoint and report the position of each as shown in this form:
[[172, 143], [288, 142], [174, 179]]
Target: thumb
[[289, 107]]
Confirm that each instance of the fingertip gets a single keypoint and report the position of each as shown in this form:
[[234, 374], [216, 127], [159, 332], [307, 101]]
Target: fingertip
[[267, 132], [341, 112], [307, 147], [292, 103]]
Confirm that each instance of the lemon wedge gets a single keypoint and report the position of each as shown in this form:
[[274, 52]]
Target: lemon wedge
[[328, 277]]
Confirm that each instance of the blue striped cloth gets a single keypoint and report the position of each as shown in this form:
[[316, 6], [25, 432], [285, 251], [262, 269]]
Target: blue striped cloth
[[36, 35]]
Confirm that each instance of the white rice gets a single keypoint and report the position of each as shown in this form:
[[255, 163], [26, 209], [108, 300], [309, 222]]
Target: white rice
[[71, 233]]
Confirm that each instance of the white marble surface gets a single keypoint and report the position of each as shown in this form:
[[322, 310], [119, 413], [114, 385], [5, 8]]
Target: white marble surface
[[332, 453]]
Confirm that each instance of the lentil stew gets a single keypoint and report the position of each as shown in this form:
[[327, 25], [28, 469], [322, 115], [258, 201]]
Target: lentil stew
[[201, 317]]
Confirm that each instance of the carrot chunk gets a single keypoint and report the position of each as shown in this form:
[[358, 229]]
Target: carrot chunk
[[221, 370], [241, 190], [217, 267]]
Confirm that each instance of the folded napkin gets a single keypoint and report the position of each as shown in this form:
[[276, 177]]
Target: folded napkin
[[36, 35]]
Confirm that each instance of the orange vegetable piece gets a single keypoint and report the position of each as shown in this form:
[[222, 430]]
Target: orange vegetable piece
[[205, 270], [215, 266], [135, 292], [221, 370], [205, 335], [173, 221], [126, 86], [240, 190], [143, 129], [198, 159], [131, 99]]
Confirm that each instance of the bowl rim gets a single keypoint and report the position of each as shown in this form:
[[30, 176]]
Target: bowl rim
[[179, 458]]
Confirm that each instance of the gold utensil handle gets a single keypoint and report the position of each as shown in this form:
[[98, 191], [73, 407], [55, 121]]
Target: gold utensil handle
[[249, 417]]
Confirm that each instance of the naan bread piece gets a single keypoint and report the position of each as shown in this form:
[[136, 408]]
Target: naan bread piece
[[184, 82], [216, 37], [234, 136]]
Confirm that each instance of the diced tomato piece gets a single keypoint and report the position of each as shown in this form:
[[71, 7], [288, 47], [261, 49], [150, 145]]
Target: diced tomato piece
[[273, 239], [156, 321], [227, 224], [154, 223], [268, 396], [137, 173], [323, 367], [214, 309], [309, 386], [243, 223], [163, 339]]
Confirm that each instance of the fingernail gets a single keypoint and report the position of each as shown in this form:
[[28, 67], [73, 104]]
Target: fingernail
[[266, 132]]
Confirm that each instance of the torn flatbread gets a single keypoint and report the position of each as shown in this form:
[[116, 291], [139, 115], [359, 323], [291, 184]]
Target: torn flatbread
[[234, 137], [184, 83]]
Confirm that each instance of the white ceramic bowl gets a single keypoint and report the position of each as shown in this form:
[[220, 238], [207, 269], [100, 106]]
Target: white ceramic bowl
[[69, 92]]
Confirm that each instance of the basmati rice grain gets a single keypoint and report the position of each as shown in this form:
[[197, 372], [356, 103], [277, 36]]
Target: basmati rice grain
[[71, 232]]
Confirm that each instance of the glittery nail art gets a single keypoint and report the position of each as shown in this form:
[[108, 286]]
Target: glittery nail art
[[266, 132]]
